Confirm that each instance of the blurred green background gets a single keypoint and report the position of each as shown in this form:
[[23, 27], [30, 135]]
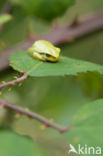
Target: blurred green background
[[57, 98]]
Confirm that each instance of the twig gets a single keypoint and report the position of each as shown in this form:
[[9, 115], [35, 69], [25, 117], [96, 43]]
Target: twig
[[36, 116], [59, 36], [13, 82]]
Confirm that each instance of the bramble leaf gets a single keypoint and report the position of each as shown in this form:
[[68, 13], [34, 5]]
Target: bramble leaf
[[22, 61], [87, 126]]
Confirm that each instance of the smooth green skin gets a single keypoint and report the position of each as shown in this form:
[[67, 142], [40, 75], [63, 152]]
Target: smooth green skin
[[45, 51]]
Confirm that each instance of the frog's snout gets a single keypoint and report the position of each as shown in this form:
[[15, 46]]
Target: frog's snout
[[30, 50]]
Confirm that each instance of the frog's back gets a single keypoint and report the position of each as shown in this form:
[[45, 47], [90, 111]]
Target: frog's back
[[46, 47]]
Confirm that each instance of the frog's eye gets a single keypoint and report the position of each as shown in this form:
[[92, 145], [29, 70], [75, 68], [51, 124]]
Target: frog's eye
[[44, 51], [58, 49]]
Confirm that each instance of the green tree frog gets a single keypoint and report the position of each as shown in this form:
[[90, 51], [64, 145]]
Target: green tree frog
[[44, 51]]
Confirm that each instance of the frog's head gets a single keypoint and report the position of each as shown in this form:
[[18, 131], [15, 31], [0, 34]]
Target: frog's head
[[45, 51]]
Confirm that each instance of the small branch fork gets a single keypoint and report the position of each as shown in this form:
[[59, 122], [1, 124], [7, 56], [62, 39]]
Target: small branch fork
[[13, 82], [36, 116]]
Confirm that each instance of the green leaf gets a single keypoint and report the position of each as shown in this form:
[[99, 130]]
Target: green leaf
[[54, 8], [66, 66], [5, 18], [87, 126], [12, 144]]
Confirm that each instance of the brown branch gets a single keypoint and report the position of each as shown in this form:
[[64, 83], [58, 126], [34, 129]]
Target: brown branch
[[59, 36], [13, 82], [36, 116]]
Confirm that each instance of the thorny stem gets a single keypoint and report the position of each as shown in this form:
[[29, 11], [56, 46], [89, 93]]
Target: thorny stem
[[36, 116], [20, 110], [13, 82]]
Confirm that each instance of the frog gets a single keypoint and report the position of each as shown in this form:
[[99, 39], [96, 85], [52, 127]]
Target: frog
[[44, 51]]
